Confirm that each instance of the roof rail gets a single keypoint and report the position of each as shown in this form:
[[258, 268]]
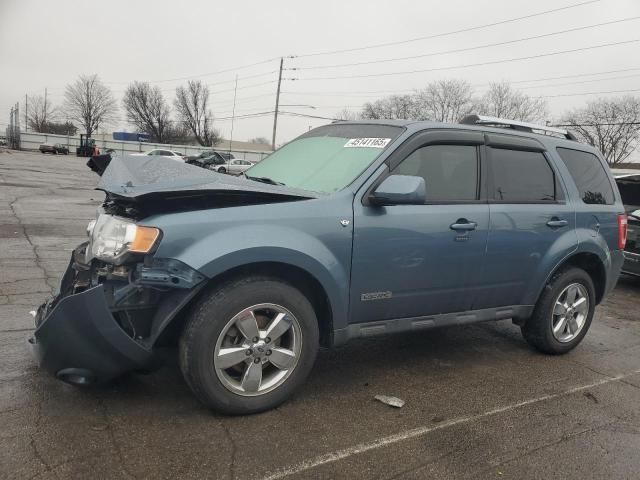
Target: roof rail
[[516, 125]]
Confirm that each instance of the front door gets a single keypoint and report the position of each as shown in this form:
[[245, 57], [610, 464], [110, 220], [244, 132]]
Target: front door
[[418, 260]]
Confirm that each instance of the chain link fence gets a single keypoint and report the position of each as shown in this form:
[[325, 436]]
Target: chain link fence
[[32, 141]]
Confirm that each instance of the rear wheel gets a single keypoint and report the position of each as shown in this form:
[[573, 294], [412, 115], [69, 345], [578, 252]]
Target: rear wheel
[[563, 313], [249, 345], [222, 170]]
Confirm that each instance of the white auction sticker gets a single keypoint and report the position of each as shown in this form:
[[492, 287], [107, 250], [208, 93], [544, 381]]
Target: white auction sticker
[[367, 142]]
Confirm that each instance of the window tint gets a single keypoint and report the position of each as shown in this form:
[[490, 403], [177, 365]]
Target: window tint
[[518, 176], [450, 172], [589, 174]]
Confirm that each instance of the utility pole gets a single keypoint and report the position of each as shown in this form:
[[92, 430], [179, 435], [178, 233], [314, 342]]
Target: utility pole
[[275, 113], [26, 109], [45, 108], [233, 114]]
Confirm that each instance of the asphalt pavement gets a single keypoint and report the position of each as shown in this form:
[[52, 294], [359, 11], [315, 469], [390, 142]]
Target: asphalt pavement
[[479, 402]]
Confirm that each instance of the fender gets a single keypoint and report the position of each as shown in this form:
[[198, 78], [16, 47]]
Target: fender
[[587, 243], [236, 246], [564, 247]]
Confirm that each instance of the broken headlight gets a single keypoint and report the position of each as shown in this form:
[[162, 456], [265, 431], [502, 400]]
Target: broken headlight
[[113, 237]]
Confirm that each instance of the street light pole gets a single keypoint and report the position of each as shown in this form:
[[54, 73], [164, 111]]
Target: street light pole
[[275, 113]]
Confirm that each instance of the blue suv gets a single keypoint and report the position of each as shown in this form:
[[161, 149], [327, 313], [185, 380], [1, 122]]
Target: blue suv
[[353, 229]]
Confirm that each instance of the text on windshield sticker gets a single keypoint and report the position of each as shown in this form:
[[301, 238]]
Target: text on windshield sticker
[[367, 142]]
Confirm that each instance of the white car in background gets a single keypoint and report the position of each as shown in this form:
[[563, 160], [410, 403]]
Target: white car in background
[[180, 157], [235, 166]]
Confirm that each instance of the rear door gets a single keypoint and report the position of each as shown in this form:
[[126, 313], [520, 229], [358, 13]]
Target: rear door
[[531, 227]]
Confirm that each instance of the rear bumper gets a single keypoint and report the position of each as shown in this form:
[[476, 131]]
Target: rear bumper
[[631, 263], [79, 341]]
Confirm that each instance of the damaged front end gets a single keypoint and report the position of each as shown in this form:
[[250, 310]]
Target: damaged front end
[[117, 298], [106, 318]]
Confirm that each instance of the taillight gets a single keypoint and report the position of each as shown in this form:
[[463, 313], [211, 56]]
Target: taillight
[[622, 231]]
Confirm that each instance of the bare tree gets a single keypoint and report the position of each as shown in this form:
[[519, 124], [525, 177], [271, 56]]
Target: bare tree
[[62, 128], [444, 101], [192, 104], [610, 125], [40, 113], [90, 103], [179, 133], [260, 141], [391, 107], [501, 100], [146, 109], [346, 114]]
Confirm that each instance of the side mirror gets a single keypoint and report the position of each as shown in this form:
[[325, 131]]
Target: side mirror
[[399, 190]]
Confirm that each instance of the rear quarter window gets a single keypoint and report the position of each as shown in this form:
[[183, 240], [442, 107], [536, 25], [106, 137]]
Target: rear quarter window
[[589, 175]]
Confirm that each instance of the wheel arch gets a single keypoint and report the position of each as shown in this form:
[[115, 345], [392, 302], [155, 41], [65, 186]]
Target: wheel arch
[[590, 263], [291, 274]]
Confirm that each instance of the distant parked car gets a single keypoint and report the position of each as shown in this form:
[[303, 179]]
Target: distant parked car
[[628, 181], [226, 155], [237, 166], [55, 149], [193, 159], [163, 153], [208, 160], [217, 162]]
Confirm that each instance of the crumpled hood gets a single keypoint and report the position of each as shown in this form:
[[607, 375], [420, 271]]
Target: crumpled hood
[[136, 177]]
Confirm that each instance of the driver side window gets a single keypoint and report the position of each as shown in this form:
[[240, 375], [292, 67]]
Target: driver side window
[[450, 172]]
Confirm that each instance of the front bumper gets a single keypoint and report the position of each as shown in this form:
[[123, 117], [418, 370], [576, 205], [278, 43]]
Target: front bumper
[[80, 342], [103, 324]]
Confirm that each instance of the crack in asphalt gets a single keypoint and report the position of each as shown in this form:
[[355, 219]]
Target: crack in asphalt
[[38, 260], [112, 438], [564, 438], [234, 448]]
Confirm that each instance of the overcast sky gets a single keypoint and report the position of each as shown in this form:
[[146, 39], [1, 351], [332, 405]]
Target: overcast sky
[[49, 43]]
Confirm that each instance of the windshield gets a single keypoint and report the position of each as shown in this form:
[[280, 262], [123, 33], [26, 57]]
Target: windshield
[[326, 159]]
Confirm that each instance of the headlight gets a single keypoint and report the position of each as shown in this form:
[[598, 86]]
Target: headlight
[[112, 237]]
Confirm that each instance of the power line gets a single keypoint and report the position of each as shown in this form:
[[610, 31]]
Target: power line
[[590, 93], [217, 72], [369, 94], [467, 49], [581, 82], [471, 65], [295, 114], [444, 34], [596, 124]]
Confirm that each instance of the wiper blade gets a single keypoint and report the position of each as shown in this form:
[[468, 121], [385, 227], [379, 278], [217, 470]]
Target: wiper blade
[[268, 180]]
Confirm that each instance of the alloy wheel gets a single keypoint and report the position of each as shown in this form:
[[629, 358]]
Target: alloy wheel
[[570, 312], [258, 349]]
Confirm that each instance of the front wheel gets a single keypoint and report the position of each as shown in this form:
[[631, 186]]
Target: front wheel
[[248, 345], [222, 170], [563, 313]]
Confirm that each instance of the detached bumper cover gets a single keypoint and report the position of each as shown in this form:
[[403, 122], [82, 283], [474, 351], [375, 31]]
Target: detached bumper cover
[[79, 337]]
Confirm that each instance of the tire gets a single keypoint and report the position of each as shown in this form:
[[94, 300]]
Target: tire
[[222, 170], [207, 329], [538, 330]]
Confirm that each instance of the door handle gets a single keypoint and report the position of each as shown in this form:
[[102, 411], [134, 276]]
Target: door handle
[[556, 222], [462, 224]]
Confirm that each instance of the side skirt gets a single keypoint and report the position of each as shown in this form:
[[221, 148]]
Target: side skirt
[[397, 325]]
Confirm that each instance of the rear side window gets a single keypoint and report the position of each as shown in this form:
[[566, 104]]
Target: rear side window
[[520, 177], [590, 176], [450, 172]]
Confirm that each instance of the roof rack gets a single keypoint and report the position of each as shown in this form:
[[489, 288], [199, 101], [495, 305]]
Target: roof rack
[[516, 125]]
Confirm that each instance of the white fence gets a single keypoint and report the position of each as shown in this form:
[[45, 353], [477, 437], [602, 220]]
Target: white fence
[[31, 141]]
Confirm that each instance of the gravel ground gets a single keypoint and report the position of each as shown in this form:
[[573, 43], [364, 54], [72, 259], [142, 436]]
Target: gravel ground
[[479, 402]]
